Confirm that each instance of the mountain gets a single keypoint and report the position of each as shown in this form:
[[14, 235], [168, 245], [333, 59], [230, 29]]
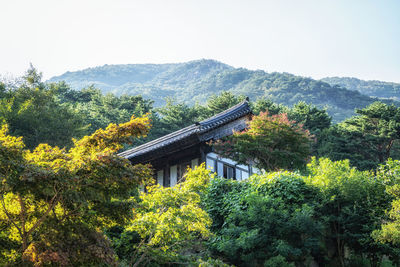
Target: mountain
[[378, 89], [195, 81]]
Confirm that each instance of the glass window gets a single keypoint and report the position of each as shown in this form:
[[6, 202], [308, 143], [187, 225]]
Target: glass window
[[229, 172]]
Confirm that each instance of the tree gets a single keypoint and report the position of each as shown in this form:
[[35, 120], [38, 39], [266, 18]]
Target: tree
[[271, 142], [174, 117], [32, 110], [263, 104], [353, 204], [219, 103], [390, 230], [170, 219], [312, 118], [367, 139], [264, 219], [54, 202], [100, 110], [327, 215]]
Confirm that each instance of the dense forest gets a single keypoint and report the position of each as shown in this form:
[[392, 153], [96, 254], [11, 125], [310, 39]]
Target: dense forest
[[195, 81], [378, 89], [330, 198]]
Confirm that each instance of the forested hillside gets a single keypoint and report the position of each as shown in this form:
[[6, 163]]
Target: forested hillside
[[371, 88], [196, 81], [328, 195]]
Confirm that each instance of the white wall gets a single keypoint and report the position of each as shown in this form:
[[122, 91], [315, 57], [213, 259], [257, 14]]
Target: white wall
[[160, 177]]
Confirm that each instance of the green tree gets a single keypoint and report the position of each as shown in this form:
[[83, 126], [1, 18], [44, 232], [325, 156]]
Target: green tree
[[263, 104], [271, 143], [390, 230], [265, 219], [100, 110], [352, 205], [53, 202], [174, 117], [31, 110], [170, 219], [312, 118], [218, 103], [367, 139]]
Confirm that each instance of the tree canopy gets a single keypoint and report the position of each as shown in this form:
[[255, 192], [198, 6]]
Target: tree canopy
[[54, 201], [270, 142]]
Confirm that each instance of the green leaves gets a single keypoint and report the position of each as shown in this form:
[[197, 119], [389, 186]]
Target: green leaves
[[54, 201], [168, 218], [271, 142], [288, 217], [266, 216], [367, 139]]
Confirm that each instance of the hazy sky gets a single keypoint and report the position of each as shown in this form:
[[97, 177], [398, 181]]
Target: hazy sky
[[315, 38]]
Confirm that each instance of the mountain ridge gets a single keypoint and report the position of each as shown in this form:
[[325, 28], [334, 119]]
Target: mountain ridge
[[195, 81], [372, 88]]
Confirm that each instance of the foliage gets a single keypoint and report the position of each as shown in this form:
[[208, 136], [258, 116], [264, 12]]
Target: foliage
[[367, 139], [285, 217], [264, 104], [271, 142], [278, 261], [175, 116], [169, 219], [100, 110], [31, 110], [310, 117], [218, 103], [378, 89], [54, 201], [352, 206], [262, 218], [390, 230], [195, 81], [212, 263]]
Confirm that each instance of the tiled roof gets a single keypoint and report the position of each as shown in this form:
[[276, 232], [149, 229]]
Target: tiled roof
[[231, 114]]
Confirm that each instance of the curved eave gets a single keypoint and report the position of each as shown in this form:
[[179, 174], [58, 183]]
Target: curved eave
[[191, 132]]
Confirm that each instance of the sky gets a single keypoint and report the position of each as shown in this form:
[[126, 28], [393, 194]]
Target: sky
[[313, 38]]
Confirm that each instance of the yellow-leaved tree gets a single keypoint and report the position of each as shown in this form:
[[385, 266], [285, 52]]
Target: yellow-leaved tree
[[55, 202], [170, 220]]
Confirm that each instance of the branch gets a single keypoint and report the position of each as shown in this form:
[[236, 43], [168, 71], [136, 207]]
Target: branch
[[9, 216], [52, 204], [22, 214], [140, 260]]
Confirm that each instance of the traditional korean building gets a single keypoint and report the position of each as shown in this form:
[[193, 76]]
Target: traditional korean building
[[171, 154]]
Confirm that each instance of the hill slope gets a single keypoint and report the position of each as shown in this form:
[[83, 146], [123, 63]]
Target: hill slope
[[195, 81], [378, 89]]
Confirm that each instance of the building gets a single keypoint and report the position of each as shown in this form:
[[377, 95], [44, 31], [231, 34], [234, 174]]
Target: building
[[171, 154]]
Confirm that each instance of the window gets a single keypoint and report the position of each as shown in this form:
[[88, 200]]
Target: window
[[241, 174], [229, 172], [182, 170], [210, 164]]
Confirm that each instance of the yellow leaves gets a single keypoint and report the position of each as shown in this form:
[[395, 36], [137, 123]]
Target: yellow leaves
[[324, 172], [10, 142], [111, 139], [11, 255], [52, 184], [25, 106], [170, 216]]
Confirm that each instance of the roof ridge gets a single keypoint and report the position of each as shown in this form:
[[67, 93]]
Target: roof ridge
[[155, 141], [237, 110], [245, 102]]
